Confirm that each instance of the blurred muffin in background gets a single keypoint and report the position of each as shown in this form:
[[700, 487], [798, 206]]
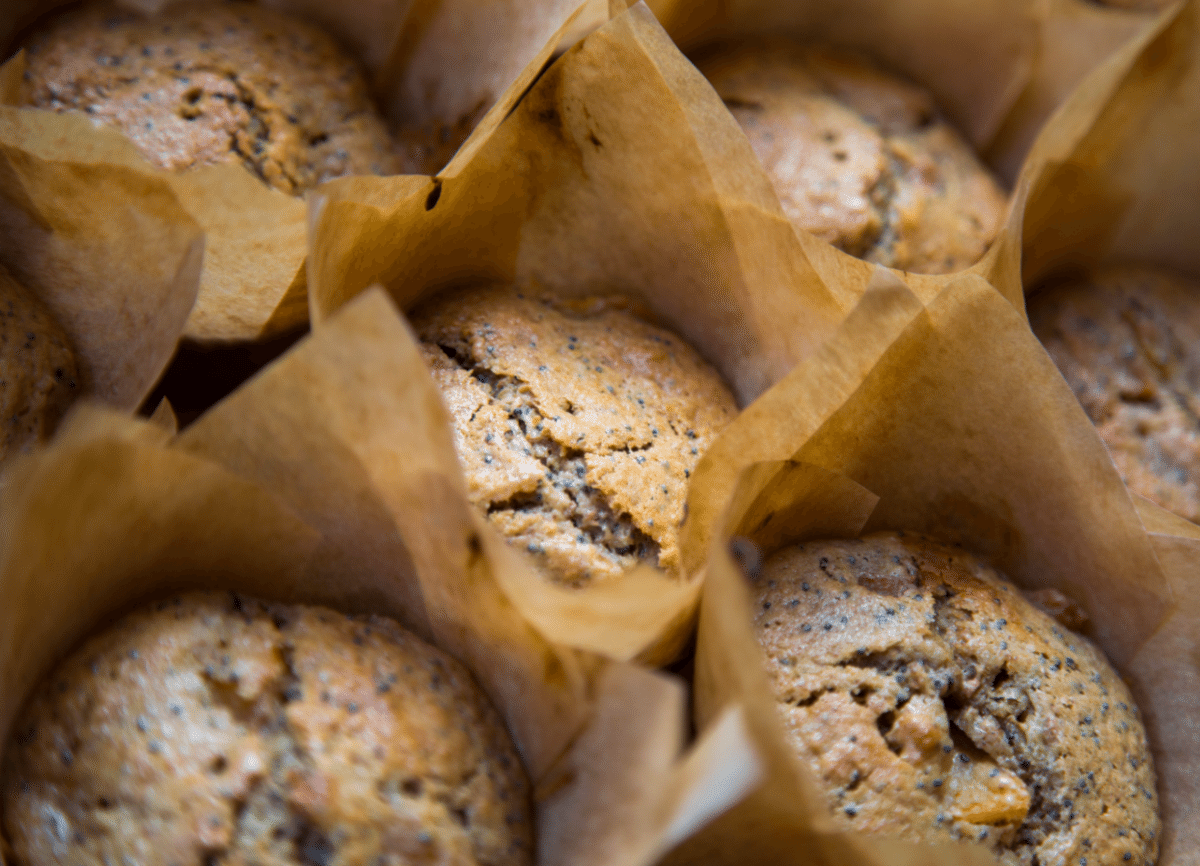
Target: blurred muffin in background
[[859, 157], [1127, 340], [210, 82]]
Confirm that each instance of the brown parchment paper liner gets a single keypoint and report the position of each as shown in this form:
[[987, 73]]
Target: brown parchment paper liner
[[1075, 36], [437, 66], [367, 515], [1112, 177], [619, 169], [105, 246], [944, 418]]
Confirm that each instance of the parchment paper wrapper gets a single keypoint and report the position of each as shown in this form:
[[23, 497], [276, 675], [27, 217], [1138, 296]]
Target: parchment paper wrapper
[[366, 514], [1075, 36], [1112, 177], [619, 169], [106, 246], [907, 419], [437, 66]]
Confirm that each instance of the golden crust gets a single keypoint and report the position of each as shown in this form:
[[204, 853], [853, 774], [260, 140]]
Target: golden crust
[[858, 157], [213, 728], [933, 703], [577, 431], [206, 83], [37, 369], [1127, 340]]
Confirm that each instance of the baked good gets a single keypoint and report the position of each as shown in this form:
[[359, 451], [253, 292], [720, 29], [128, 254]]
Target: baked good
[[577, 425], [37, 369], [859, 157], [1127, 340], [932, 702], [211, 82], [212, 728]]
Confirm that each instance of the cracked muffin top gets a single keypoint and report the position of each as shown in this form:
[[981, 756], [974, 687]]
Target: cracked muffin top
[[859, 157], [1127, 340], [577, 424], [211, 728], [37, 369], [211, 82], [932, 702]]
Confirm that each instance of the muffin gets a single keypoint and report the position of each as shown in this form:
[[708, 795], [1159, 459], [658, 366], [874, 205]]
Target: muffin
[[1127, 340], [37, 369], [212, 82], [932, 702], [211, 728], [577, 426], [859, 157]]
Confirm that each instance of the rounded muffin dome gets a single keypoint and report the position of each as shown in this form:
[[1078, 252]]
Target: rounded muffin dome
[[858, 157], [211, 728], [201, 83], [932, 702], [577, 424]]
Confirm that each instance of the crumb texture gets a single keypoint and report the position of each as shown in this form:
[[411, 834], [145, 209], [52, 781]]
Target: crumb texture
[[1127, 340], [205, 83], [37, 369], [212, 729], [932, 702], [578, 426], [859, 157]]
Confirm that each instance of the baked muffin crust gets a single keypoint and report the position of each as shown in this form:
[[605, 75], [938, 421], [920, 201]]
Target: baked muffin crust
[[1127, 340], [577, 426], [214, 729], [37, 369], [933, 703], [211, 82], [859, 157]]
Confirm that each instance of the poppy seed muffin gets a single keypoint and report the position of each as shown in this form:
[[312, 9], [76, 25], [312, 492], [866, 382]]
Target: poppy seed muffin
[[212, 82], [932, 702], [37, 369], [211, 728], [858, 157], [1127, 340], [577, 426]]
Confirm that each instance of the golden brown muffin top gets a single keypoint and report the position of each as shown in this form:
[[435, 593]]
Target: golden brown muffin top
[[859, 157], [211, 728], [577, 426], [1127, 340], [933, 702], [37, 369], [212, 82]]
